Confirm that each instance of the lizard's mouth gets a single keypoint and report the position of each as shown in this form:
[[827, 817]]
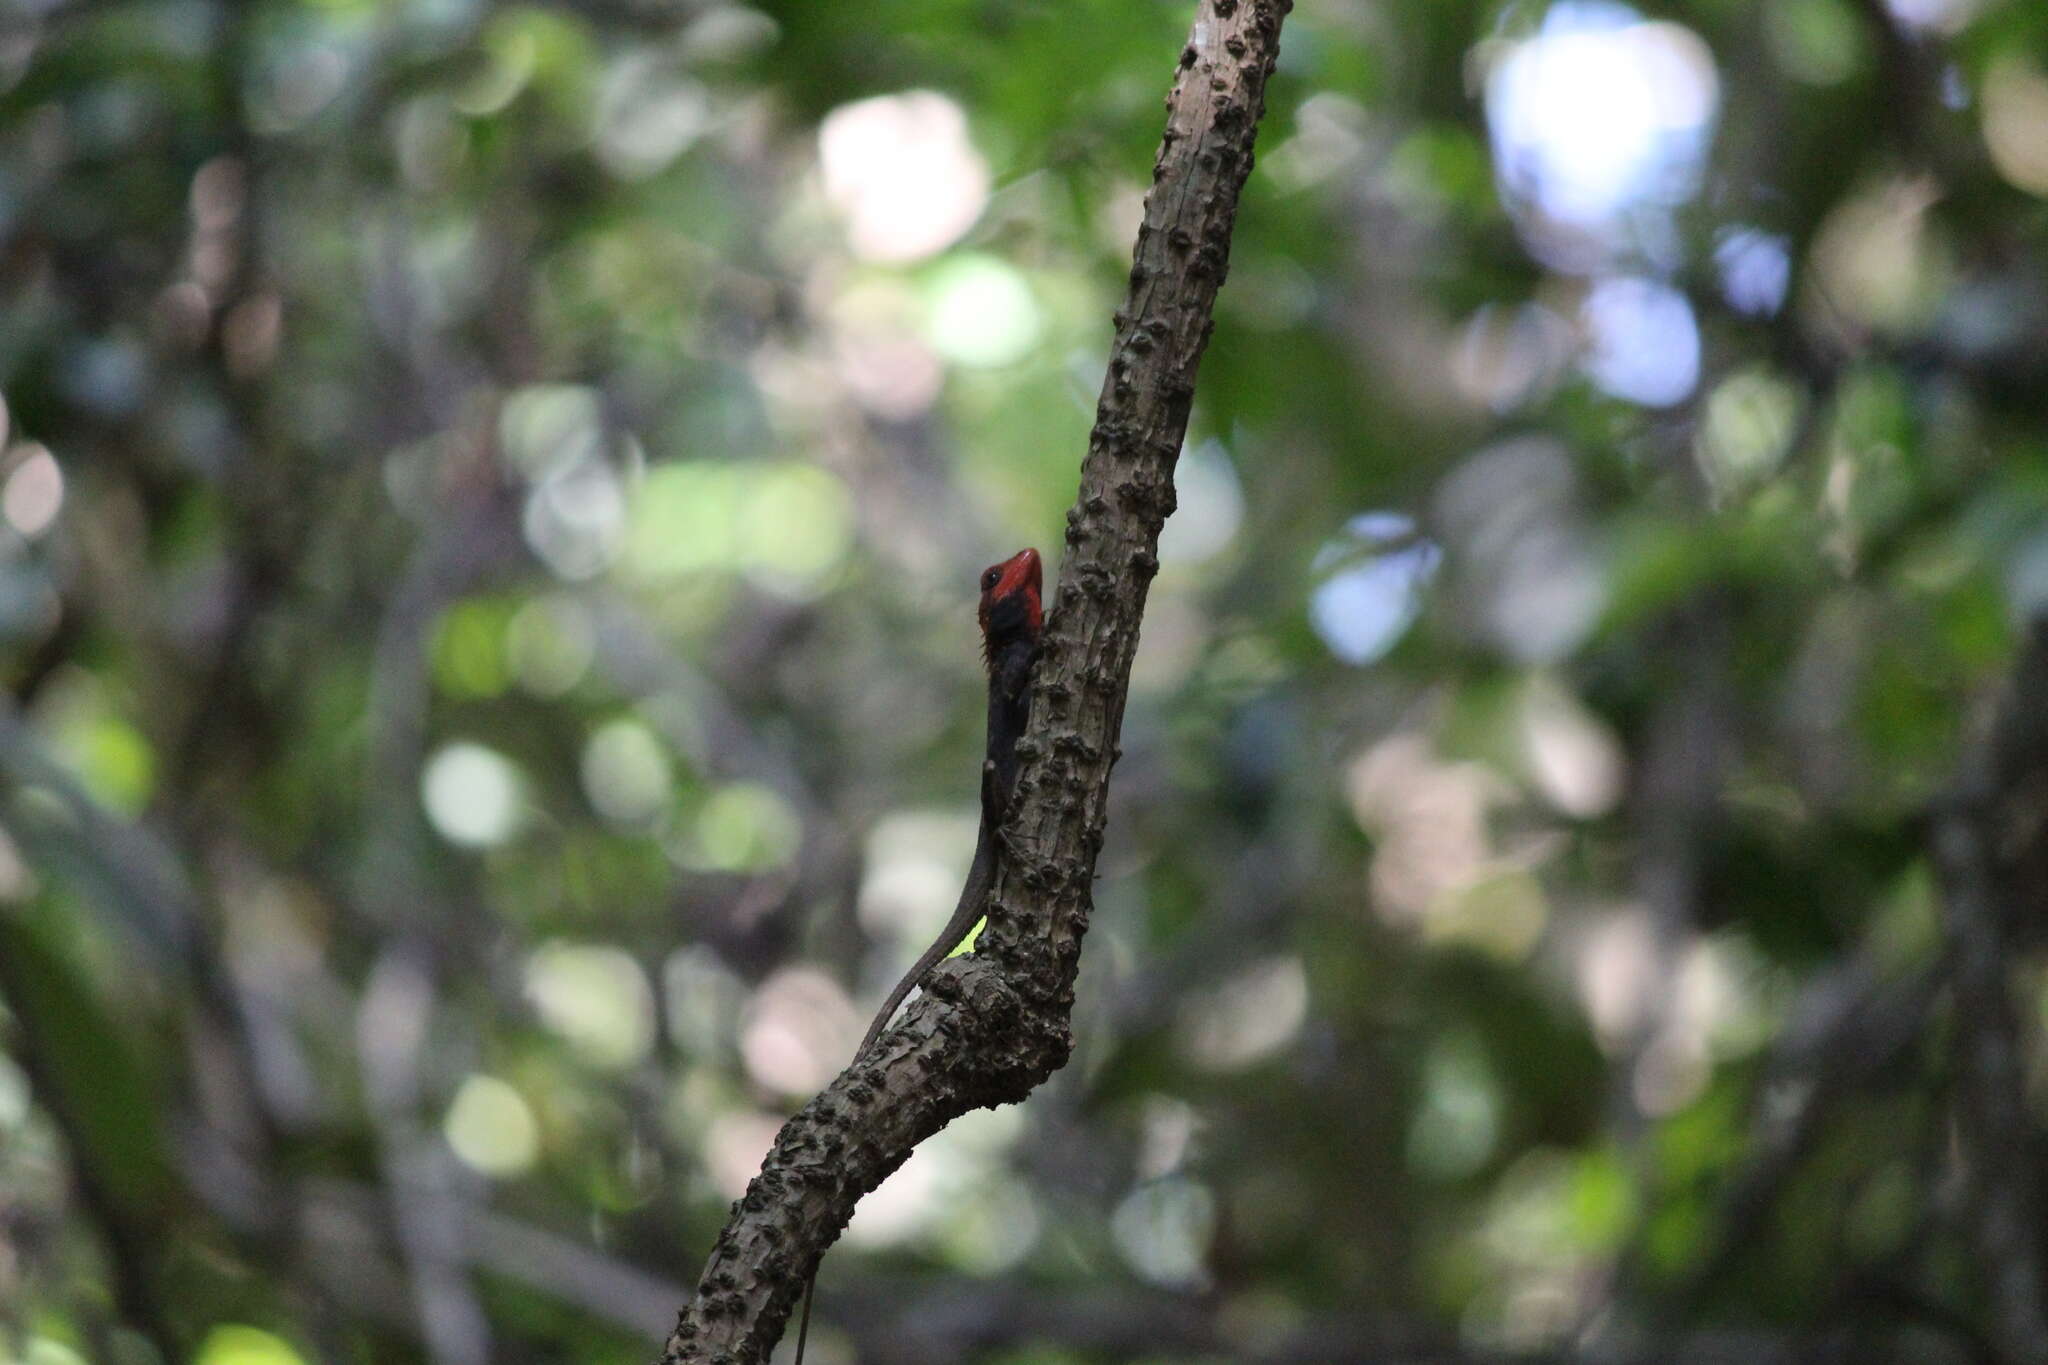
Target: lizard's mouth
[[1010, 607]]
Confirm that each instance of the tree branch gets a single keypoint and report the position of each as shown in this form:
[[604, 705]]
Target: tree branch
[[989, 1028]]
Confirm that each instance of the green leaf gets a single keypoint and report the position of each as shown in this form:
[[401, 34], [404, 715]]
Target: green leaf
[[83, 1069]]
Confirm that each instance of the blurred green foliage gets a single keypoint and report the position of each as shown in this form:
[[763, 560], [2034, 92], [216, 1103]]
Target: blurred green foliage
[[489, 502]]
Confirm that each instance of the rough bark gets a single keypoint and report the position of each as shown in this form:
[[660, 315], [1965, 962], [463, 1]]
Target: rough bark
[[989, 1028]]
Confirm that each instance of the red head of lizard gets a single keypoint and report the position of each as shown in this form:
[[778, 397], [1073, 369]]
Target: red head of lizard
[[1010, 601]]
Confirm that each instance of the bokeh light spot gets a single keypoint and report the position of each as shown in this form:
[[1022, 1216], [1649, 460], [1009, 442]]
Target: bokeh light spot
[[468, 652], [1644, 342], [902, 171], [575, 519], [797, 522], [472, 795], [627, 773], [13, 1096], [1574, 758], [550, 644], [549, 428], [794, 1032], [49, 1351], [1458, 1122], [787, 526], [490, 1127], [1378, 569], [743, 827], [1526, 578], [1875, 262], [982, 313], [1164, 1228], [1945, 16], [1210, 506], [913, 867], [1756, 270], [647, 116], [1506, 357], [112, 758], [684, 520], [234, 1344], [1249, 1017], [1600, 113], [2016, 123], [34, 492], [596, 998], [1750, 420]]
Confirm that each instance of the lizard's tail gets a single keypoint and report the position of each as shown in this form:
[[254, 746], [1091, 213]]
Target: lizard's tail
[[803, 1326], [964, 915]]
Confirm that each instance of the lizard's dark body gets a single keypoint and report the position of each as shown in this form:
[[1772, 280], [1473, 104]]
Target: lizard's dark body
[[1011, 618], [1009, 710]]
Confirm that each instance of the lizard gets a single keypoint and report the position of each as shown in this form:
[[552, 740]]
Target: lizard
[[1012, 617]]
